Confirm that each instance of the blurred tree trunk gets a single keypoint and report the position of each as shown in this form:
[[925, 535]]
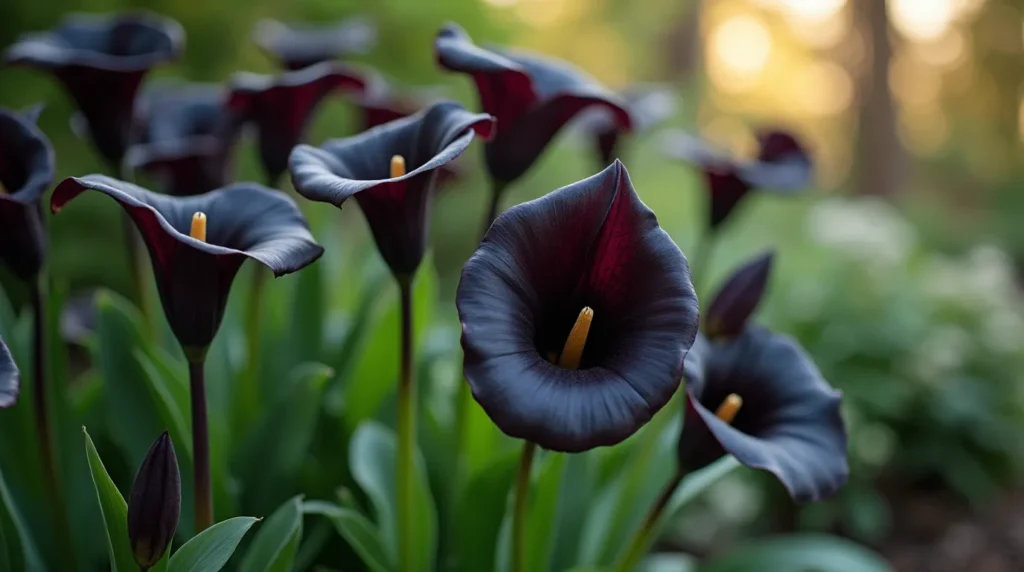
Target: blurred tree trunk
[[683, 43], [880, 157]]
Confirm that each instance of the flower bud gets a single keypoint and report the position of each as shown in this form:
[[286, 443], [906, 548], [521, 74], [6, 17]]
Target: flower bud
[[732, 307], [155, 503]]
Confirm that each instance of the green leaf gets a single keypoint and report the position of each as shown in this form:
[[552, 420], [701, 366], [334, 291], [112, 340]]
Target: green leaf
[[696, 483], [307, 331], [481, 508], [372, 460], [17, 552], [817, 552], [210, 550], [375, 375], [277, 541], [542, 509], [168, 388], [358, 531], [132, 416], [114, 509]]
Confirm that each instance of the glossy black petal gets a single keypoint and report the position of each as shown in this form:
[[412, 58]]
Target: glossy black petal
[[736, 300], [155, 503], [26, 170], [531, 96], [592, 243], [783, 165], [185, 138], [297, 47], [101, 61], [282, 106], [10, 384], [395, 208], [244, 220], [789, 424]]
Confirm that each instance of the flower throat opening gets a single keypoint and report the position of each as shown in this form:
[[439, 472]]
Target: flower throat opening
[[729, 408], [572, 352]]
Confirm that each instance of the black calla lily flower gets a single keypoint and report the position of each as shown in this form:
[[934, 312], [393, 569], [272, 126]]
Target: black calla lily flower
[[592, 245], [26, 170], [782, 164], [101, 61], [648, 105], [760, 398], [390, 170], [194, 267], [282, 106], [185, 138], [297, 47], [532, 98], [9, 377]]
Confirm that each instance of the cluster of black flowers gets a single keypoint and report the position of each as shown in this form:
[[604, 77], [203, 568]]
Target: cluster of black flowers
[[579, 316]]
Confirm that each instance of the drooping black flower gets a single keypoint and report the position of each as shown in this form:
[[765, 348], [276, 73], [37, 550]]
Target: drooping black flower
[[26, 170], [590, 246], [760, 398], [648, 105], [297, 47], [9, 377], [101, 61], [281, 107], [194, 260], [391, 171], [782, 165], [155, 503], [531, 96], [185, 138]]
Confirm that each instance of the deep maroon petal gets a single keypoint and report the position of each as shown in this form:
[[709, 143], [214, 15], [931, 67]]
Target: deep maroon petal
[[592, 243], [789, 424], [9, 378], [101, 61], [194, 277], [297, 47], [185, 137], [732, 307], [648, 105], [504, 87], [282, 106], [396, 208], [26, 170]]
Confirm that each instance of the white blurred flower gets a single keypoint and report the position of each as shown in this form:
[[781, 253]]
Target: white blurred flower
[[984, 278], [1003, 332], [943, 350], [866, 228], [736, 498]]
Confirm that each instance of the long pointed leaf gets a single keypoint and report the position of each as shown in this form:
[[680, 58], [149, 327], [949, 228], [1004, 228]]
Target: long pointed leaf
[[114, 509]]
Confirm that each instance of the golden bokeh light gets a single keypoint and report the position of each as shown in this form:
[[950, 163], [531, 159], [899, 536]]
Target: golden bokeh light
[[923, 19], [821, 88], [738, 51]]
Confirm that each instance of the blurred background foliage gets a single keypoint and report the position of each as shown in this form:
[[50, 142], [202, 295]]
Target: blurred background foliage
[[900, 272]]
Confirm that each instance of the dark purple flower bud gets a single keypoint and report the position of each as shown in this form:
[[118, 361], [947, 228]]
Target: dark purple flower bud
[[155, 503], [736, 301], [26, 170]]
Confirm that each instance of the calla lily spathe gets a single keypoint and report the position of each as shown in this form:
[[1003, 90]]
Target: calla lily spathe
[[298, 46], [281, 107], [10, 384], [101, 61], [396, 205], [193, 276], [648, 105], [26, 171], [592, 245], [531, 96], [185, 138], [783, 164], [789, 423]]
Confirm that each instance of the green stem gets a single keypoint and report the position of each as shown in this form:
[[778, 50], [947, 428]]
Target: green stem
[[643, 537], [44, 427], [519, 508], [200, 446], [497, 191], [406, 433]]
